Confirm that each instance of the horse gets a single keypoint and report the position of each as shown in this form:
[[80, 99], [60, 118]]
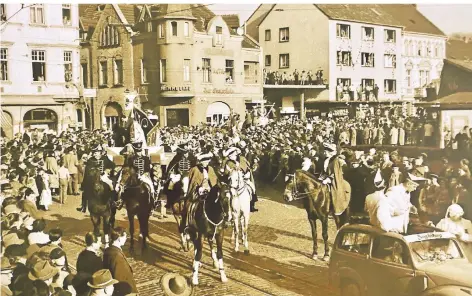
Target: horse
[[99, 196], [137, 198], [175, 200], [240, 208], [318, 204], [208, 220]]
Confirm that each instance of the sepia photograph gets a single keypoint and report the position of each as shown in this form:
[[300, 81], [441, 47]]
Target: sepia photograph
[[236, 148]]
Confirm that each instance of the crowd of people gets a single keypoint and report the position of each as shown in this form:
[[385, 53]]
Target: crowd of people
[[38, 167], [302, 77]]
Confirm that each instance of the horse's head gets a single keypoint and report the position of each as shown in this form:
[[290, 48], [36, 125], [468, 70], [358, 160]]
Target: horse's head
[[129, 177], [236, 179], [290, 187], [219, 199]]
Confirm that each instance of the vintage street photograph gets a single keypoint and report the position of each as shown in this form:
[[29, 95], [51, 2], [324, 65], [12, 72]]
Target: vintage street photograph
[[236, 148]]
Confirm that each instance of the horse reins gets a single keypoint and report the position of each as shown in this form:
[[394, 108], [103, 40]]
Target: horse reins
[[295, 193], [211, 222]]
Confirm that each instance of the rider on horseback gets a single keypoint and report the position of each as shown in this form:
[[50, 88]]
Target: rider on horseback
[[104, 164], [179, 168], [202, 178]]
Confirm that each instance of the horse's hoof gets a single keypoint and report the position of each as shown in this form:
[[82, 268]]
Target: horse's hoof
[[246, 252], [224, 279], [195, 281], [326, 258], [314, 257]]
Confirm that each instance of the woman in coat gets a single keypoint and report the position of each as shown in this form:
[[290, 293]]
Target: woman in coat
[[52, 170]]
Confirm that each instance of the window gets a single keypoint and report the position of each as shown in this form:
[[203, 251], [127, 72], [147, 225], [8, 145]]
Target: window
[[39, 65], [67, 66], [268, 61], [358, 242], [367, 59], [84, 75], [391, 250], [390, 86], [267, 35], [343, 31], [66, 15], [186, 29], [344, 58], [368, 33], [3, 12], [436, 51], [344, 81], [427, 77], [4, 65], [284, 60], [37, 14], [103, 78], [148, 26], [163, 70], [229, 70], [420, 49], [109, 36], [390, 61], [219, 35], [390, 35], [118, 72], [367, 83], [186, 70], [144, 72], [422, 78], [173, 26], [284, 35], [161, 30], [251, 72], [206, 67], [408, 78]]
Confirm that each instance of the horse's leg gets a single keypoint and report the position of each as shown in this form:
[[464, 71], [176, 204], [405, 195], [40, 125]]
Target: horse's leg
[[236, 221], [96, 224], [213, 253], [198, 244], [219, 254], [324, 233], [143, 218], [246, 207], [131, 231], [314, 235], [106, 230]]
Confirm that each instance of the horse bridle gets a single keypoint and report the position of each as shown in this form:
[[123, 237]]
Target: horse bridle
[[295, 194]]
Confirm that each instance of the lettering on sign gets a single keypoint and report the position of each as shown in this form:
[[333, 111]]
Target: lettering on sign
[[428, 236], [218, 71], [175, 88], [340, 112], [218, 91]]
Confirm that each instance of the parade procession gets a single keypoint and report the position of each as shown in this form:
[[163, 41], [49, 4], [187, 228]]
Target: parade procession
[[158, 149]]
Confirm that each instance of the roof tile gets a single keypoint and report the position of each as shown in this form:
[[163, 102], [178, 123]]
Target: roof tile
[[412, 19], [459, 49]]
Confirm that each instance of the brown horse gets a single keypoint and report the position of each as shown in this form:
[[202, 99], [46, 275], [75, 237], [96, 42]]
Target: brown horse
[[138, 201], [175, 200], [318, 204]]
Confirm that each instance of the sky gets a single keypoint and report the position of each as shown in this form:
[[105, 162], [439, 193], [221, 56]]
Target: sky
[[450, 18]]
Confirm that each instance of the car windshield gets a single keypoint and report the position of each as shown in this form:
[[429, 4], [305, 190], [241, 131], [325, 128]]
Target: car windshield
[[435, 250]]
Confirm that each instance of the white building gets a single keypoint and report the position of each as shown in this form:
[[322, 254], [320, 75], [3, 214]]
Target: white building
[[39, 66], [424, 49]]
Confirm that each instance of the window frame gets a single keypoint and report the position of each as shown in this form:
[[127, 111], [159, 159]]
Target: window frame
[[341, 247], [364, 35], [66, 6], [186, 70], [364, 60], [35, 8], [219, 35], [408, 78], [174, 29], [3, 12], [68, 61], [342, 58], [364, 82], [268, 64], [386, 36], [383, 261], [231, 67], [144, 73], [103, 73], [163, 70], [206, 70], [267, 35], [161, 30], [282, 55], [281, 30], [252, 68], [4, 63], [186, 29], [394, 86], [39, 60], [118, 75], [339, 30], [84, 74], [393, 62]]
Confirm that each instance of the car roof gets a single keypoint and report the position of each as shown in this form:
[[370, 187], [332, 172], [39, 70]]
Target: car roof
[[412, 229]]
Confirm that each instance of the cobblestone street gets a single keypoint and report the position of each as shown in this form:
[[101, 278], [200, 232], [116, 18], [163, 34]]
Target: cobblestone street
[[278, 264]]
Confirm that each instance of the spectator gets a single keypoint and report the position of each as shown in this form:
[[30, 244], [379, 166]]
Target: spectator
[[89, 260], [102, 284], [428, 134], [71, 163]]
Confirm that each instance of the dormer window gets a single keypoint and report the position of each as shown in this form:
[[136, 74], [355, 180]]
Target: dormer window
[[109, 36], [219, 35], [66, 14], [174, 28]]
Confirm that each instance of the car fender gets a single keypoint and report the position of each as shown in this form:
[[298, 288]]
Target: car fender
[[448, 290], [350, 274]]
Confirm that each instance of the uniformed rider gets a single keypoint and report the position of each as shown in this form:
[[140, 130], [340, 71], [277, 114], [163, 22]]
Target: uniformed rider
[[179, 168], [104, 164]]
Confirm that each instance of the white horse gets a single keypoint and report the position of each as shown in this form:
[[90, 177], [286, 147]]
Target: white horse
[[241, 194]]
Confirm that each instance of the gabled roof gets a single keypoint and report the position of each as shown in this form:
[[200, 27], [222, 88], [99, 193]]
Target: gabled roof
[[130, 12], [249, 42], [89, 15], [412, 19], [362, 13], [458, 49], [456, 98], [232, 20], [256, 18], [463, 64], [177, 10]]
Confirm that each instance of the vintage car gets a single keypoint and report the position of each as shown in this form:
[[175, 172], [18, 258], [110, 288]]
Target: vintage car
[[426, 261]]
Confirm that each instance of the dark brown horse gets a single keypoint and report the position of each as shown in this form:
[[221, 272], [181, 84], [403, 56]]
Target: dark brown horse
[[318, 204], [137, 198], [175, 200], [99, 196]]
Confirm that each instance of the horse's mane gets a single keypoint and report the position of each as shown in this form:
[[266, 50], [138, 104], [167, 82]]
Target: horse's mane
[[312, 178], [133, 176]]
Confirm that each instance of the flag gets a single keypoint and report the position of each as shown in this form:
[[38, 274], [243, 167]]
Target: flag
[[141, 117]]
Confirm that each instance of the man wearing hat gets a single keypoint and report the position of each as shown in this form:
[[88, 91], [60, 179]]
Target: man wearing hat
[[104, 164], [179, 168], [374, 204], [202, 178], [43, 271], [6, 276], [71, 163], [102, 283]]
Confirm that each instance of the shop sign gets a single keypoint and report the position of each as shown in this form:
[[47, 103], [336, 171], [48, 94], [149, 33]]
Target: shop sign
[[218, 71], [340, 112], [218, 91], [175, 88]]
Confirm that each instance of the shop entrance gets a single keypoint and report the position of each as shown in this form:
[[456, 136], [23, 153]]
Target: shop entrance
[[175, 117]]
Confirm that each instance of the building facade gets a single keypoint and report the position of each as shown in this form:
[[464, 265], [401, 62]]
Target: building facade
[[40, 76], [187, 65]]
